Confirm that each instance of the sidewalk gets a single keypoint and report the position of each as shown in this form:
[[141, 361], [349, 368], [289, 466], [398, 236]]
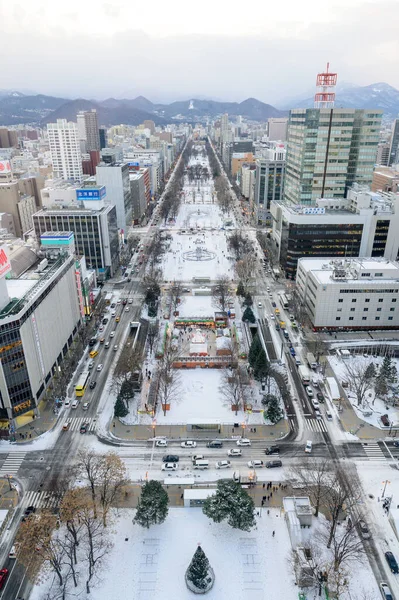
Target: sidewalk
[[267, 433], [8, 498], [36, 427]]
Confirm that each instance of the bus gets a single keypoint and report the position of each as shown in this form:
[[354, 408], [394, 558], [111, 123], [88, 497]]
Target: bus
[[82, 383], [283, 299], [108, 298]]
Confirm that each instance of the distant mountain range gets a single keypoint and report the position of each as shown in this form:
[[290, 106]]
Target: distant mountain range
[[39, 109], [377, 95]]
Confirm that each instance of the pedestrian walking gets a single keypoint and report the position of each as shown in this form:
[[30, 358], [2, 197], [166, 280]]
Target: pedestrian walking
[[268, 511], [273, 534], [264, 486]]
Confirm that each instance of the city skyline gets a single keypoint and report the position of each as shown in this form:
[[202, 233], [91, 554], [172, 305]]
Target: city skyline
[[277, 56]]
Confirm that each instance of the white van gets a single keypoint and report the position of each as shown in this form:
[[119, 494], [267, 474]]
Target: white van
[[75, 403], [201, 464]]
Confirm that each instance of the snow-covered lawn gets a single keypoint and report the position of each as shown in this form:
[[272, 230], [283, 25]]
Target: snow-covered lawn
[[371, 404], [201, 401], [196, 306]]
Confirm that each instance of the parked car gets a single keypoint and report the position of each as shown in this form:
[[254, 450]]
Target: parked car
[[170, 458], [272, 464], [364, 530], [234, 452], [385, 591], [391, 560], [188, 444], [161, 443], [169, 467], [243, 442], [272, 450], [309, 391], [223, 464], [320, 397], [255, 464]]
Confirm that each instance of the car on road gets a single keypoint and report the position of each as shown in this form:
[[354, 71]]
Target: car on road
[[215, 444], [223, 464], [243, 442], [315, 403], [255, 464], [272, 317], [67, 403], [100, 367], [119, 301], [170, 458], [161, 443], [101, 328], [116, 347], [105, 321], [309, 391], [28, 512], [274, 304], [113, 305], [130, 300], [396, 443], [259, 304], [92, 385], [197, 457], [308, 447], [188, 444], [92, 342], [272, 450], [169, 467], [3, 577], [127, 309], [124, 301], [272, 464], [391, 560], [385, 591], [320, 397], [117, 319], [364, 530], [83, 428], [318, 414], [329, 415], [86, 406], [234, 452], [67, 425], [112, 334], [102, 340], [292, 351]]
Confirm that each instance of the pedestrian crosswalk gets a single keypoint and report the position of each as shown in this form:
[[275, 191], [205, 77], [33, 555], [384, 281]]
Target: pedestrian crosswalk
[[40, 499], [12, 463], [77, 422], [315, 425], [373, 451]]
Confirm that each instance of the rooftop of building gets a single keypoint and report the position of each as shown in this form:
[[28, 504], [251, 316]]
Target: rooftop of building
[[355, 270], [72, 208]]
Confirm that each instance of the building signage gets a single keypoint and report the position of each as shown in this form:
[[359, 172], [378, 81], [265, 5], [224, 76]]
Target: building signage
[[22, 407], [91, 193], [39, 349], [5, 166], [79, 290], [5, 265], [313, 210]]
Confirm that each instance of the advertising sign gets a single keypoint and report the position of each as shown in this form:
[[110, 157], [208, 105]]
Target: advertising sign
[[91, 193], [5, 166], [5, 265]]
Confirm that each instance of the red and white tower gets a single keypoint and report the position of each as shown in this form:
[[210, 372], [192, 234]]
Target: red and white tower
[[325, 94]]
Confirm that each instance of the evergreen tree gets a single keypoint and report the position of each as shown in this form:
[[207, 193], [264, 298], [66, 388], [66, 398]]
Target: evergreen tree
[[248, 315], [230, 502], [126, 391], [153, 504], [198, 570], [380, 387], [248, 300], [274, 412], [257, 359], [240, 289], [386, 369], [255, 348], [120, 409], [370, 372]]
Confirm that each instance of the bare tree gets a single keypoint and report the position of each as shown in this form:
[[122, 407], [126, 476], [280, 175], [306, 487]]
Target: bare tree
[[97, 544], [314, 478], [168, 377], [346, 546], [152, 335], [245, 270], [89, 466], [360, 378], [233, 388], [344, 492], [221, 293], [175, 294], [239, 244], [112, 482]]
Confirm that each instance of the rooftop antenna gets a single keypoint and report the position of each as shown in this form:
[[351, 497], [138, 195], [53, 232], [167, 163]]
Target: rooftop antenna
[[325, 93]]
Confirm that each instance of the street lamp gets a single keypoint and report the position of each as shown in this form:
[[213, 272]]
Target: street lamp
[[153, 425], [243, 429], [385, 486], [9, 477]]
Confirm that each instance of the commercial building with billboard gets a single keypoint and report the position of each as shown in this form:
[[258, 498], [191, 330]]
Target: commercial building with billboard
[[39, 316]]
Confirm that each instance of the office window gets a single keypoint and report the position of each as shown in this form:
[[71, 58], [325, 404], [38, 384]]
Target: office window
[[365, 309], [391, 310], [341, 300], [353, 299], [367, 300], [351, 318], [380, 299], [377, 318], [379, 309], [352, 310], [364, 318], [339, 309], [390, 318], [337, 318], [393, 300]]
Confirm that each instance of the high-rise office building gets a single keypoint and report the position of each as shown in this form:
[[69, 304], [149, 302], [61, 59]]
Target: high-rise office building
[[225, 131], [329, 149], [65, 149], [393, 152], [115, 177], [269, 182], [103, 137], [92, 130]]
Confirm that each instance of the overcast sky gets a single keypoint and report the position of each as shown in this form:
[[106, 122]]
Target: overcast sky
[[176, 49]]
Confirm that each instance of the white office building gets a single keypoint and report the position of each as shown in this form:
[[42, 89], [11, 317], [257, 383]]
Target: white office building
[[350, 294], [115, 177], [65, 149]]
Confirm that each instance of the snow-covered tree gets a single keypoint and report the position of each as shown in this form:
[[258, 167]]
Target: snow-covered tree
[[273, 411], [120, 409], [153, 505], [230, 502], [248, 315], [198, 570], [258, 360]]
